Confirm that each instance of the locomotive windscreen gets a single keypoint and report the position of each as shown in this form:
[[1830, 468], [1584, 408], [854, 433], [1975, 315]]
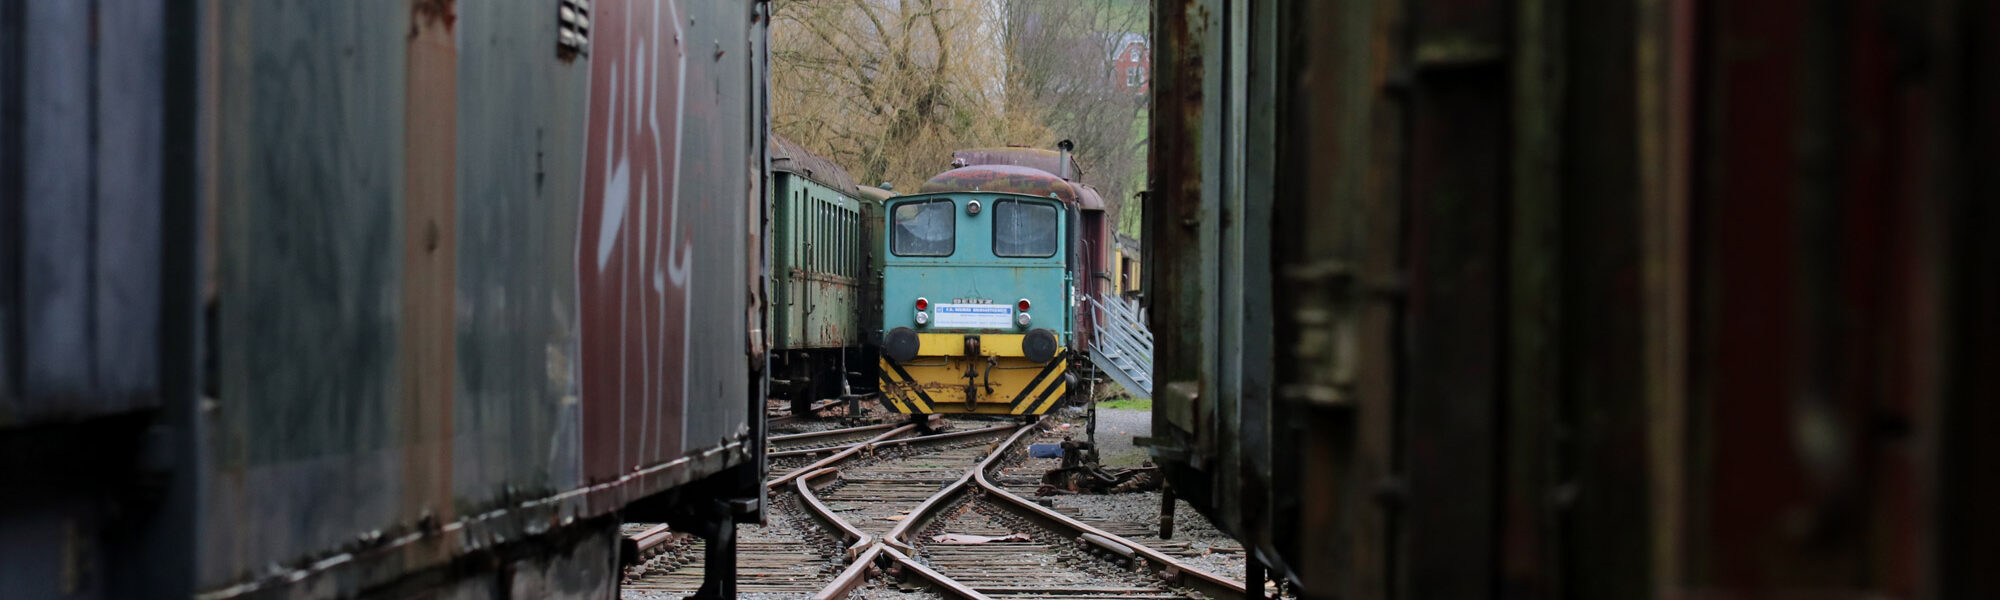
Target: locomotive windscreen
[[1024, 230], [925, 228]]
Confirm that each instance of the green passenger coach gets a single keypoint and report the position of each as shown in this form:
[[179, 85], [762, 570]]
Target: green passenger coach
[[823, 276]]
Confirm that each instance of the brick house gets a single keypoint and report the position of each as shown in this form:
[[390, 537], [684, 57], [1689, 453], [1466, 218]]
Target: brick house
[[1132, 63]]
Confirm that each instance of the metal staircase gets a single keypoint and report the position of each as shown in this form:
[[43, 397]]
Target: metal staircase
[[1123, 347]]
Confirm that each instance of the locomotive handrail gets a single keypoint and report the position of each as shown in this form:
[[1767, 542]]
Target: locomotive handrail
[[1124, 314], [1124, 340]]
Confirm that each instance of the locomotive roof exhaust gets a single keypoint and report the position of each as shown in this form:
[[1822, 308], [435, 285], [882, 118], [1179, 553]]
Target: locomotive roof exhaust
[[1063, 164]]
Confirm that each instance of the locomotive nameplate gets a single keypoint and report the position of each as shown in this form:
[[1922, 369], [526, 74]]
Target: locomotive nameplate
[[976, 316]]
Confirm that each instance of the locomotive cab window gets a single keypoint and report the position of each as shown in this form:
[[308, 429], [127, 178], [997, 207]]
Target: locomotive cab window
[[927, 228], [1024, 229]]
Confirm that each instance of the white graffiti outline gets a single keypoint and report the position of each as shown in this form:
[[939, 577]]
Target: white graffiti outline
[[618, 200]]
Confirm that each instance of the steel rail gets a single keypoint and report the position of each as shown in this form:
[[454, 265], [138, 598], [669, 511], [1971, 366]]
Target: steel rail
[[865, 550], [836, 457], [1167, 567], [793, 437], [942, 583], [975, 483], [638, 547], [861, 548], [857, 540], [925, 512], [939, 437], [875, 445], [852, 577]]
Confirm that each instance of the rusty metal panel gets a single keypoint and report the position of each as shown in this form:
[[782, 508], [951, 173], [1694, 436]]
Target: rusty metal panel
[[1002, 178], [318, 275], [789, 157], [1454, 330], [519, 167], [818, 256], [671, 92], [508, 260], [1041, 159], [1183, 215], [1623, 299]]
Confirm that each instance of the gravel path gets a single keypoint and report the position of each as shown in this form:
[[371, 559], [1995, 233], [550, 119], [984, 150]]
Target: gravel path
[[1115, 430], [1135, 516]]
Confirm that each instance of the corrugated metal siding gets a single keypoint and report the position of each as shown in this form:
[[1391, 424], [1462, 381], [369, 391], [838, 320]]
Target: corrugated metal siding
[[1602, 299], [404, 199], [519, 278], [820, 258], [82, 94], [310, 189], [520, 166], [660, 253]]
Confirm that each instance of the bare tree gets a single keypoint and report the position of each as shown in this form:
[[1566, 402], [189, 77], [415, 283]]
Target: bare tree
[[1061, 57], [890, 87]]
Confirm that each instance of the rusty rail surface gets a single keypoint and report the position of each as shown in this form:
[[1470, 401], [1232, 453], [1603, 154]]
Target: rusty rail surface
[[861, 550], [836, 457], [943, 584], [864, 550], [853, 577], [793, 437], [813, 436], [867, 551], [857, 540], [975, 482], [923, 513], [1167, 567], [638, 547]]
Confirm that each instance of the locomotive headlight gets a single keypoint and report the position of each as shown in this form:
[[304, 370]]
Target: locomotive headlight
[[972, 208], [1022, 319], [923, 318]]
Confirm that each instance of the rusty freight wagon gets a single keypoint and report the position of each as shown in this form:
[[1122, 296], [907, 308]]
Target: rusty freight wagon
[[1599, 299], [374, 298], [828, 274]]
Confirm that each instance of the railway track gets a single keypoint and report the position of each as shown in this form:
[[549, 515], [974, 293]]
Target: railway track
[[1023, 570], [790, 556], [812, 442], [779, 416], [1083, 554], [1134, 516], [880, 506]]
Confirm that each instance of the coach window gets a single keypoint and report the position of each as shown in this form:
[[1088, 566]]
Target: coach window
[[928, 228], [1024, 229]]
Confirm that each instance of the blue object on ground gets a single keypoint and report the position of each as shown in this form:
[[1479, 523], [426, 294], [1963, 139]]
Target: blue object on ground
[[1045, 450]]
